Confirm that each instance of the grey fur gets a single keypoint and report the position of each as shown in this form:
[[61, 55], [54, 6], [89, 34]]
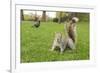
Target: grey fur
[[69, 41]]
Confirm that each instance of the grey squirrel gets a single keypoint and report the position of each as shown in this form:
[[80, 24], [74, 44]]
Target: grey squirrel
[[69, 40]]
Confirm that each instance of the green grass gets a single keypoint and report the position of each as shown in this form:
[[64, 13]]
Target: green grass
[[36, 42]]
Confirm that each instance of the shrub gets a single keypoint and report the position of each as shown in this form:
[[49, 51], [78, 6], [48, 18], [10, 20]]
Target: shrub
[[55, 19]]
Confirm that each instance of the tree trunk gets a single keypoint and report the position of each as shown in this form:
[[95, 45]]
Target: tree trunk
[[59, 18], [22, 16], [44, 16]]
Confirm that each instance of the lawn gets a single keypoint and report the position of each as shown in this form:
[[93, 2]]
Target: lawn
[[36, 42]]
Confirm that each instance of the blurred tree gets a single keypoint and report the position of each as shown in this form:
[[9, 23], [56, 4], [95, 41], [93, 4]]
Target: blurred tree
[[61, 16], [35, 16], [71, 15], [81, 16], [44, 16], [31, 17], [22, 15]]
